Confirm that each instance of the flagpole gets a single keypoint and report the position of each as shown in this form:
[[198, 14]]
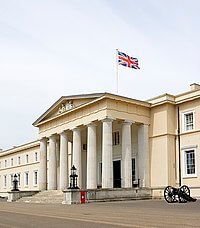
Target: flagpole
[[117, 74]]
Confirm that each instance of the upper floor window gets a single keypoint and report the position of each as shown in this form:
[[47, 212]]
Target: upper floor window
[[36, 156], [116, 138], [19, 160], [27, 158], [189, 163], [11, 161], [5, 163], [188, 121]]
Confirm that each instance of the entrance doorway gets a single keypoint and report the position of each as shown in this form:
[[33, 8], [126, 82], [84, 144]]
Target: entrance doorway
[[117, 174]]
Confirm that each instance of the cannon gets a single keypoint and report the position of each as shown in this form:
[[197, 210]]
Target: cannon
[[181, 195]]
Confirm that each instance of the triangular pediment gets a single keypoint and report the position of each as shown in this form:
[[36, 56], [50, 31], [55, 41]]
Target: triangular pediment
[[66, 104]]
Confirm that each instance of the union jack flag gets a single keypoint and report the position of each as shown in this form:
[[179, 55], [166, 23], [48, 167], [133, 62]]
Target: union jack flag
[[127, 61]]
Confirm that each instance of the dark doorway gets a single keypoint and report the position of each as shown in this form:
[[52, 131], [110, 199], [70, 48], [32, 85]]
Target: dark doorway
[[117, 174]]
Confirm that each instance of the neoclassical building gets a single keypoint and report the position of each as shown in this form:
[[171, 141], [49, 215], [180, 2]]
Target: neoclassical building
[[113, 141]]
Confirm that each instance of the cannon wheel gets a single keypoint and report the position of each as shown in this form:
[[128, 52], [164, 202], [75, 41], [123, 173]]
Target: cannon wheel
[[169, 195], [186, 190]]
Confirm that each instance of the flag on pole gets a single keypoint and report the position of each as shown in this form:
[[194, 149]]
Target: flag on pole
[[127, 61]]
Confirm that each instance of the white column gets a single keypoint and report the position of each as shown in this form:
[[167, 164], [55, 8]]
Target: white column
[[107, 153], [43, 165], [77, 154], [91, 157], [63, 161], [126, 155], [143, 155], [52, 163]]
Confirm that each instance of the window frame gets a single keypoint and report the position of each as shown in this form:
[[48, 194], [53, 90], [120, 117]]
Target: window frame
[[5, 181], [19, 160], [11, 179], [11, 162], [19, 179], [35, 184], [5, 163], [26, 184], [184, 163], [36, 156], [184, 126], [116, 138], [27, 158]]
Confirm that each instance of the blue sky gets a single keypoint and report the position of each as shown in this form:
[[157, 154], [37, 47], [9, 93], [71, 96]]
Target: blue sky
[[61, 47]]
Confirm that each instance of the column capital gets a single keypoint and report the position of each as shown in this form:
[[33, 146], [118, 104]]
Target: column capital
[[107, 119], [43, 139], [63, 133], [53, 137], [91, 124], [128, 122], [77, 128], [144, 124]]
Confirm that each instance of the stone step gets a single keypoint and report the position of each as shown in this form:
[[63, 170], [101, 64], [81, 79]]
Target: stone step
[[48, 197]]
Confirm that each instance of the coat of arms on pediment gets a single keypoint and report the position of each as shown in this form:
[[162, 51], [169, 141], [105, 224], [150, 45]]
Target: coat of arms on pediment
[[66, 106]]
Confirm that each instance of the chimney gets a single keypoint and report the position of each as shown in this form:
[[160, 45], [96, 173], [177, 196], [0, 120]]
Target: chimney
[[194, 86]]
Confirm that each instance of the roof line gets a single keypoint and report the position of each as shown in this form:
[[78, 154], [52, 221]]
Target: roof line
[[92, 95]]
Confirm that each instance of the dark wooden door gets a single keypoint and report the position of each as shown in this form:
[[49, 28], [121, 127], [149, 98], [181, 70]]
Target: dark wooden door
[[117, 174]]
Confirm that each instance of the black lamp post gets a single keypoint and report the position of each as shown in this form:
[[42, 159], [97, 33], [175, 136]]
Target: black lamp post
[[15, 183], [73, 178]]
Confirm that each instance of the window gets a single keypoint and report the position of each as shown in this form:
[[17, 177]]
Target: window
[[84, 146], [100, 173], [5, 163], [36, 156], [26, 180], [35, 177], [11, 161], [5, 181], [11, 179], [188, 121], [27, 158], [133, 170], [116, 138], [19, 179], [19, 160], [189, 163]]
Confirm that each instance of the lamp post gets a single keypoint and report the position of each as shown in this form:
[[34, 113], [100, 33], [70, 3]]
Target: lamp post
[[73, 178], [15, 183]]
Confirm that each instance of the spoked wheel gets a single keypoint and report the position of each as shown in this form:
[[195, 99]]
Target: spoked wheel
[[169, 195], [184, 191]]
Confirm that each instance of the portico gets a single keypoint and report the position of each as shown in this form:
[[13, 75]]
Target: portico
[[92, 141]]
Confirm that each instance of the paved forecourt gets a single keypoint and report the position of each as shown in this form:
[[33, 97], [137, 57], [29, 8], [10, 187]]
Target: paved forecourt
[[149, 213]]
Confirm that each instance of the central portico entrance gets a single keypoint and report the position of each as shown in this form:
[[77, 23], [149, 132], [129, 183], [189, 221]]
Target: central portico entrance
[[117, 174]]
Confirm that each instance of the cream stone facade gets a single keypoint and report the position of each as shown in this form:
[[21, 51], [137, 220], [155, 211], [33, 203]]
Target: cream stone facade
[[113, 141]]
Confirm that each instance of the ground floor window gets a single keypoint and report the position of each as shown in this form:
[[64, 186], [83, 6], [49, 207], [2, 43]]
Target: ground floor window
[[133, 170], [11, 180], [5, 181], [189, 163], [19, 179], [26, 179], [35, 177], [100, 174]]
